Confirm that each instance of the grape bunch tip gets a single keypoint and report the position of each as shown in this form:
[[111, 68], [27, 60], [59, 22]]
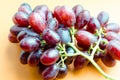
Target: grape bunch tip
[[54, 40]]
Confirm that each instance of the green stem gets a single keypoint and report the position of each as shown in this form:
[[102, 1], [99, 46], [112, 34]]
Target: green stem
[[91, 60], [97, 45]]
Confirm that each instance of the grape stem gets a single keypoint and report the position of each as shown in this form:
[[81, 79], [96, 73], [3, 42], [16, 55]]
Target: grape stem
[[89, 57]]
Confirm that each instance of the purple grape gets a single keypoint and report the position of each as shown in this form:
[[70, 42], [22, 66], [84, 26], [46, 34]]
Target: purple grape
[[34, 58], [77, 9], [50, 72], [93, 25], [30, 44], [12, 38], [21, 19], [52, 24], [50, 56], [23, 57], [103, 18], [51, 37], [82, 19]]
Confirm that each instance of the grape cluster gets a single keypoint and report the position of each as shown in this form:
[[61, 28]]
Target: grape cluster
[[54, 40]]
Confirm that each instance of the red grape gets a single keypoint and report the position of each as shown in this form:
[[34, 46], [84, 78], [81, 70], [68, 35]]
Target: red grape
[[80, 62], [34, 58], [50, 56], [24, 56], [103, 18], [16, 29], [82, 19], [112, 27], [85, 38], [93, 25], [108, 60], [113, 48], [12, 38], [112, 35], [64, 34], [77, 9], [21, 19], [50, 72], [37, 22], [25, 7], [30, 44], [51, 37]]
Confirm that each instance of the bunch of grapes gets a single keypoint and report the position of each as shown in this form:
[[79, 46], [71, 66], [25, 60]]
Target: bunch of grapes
[[53, 40]]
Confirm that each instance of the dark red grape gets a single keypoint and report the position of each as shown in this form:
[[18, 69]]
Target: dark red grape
[[34, 58], [93, 25], [41, 67], [12, 38], [51, 37], [64, 34], [16, 29], [77, 9], [113, 48], [42, 10], [112, 27], [80, 62], [112, 35], [62, 71], [108, 60], [85, 38], [103, 18], [50, 56], [24, 56], [25, 7], [52, 24], [37, 22], [30, 44], [50, 72], [21, 19], [66, 16], [82, 19], [27, 33]]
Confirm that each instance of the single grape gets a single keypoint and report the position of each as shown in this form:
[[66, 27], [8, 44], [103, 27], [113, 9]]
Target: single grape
[[37, 22], [30, 44], [103, 18], [21, 19], [108, 60], [49, 56], [25, 7], [24, 56], [93, 25], [80, 62], [77, 9], [16, 29], [12, 38], [50, 72], [113, 48], [114, 27], [27, 33], [66, 16], [82, 19], [62, 71], [52, 24], [34, 58], [85, 38], [112, 35], [64, 34], [42, 10], [51, 37]]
